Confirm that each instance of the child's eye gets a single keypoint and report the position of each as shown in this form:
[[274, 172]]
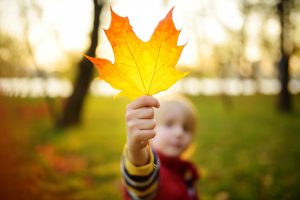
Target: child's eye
[[169, 124], [185, 128]]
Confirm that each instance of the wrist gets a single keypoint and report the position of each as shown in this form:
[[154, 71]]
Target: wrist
[[138, 156]]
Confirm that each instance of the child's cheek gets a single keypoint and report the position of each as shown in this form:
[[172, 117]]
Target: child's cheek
[[188, 139], [163, 132], [160, 128], [167, 131], [159, 132]]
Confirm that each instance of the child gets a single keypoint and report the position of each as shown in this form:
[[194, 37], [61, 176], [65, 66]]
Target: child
[[152, 166]]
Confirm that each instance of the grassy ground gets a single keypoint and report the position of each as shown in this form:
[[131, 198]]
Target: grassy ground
[[245, 150]]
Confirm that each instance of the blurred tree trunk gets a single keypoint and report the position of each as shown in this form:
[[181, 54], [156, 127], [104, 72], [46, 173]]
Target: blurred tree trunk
[[284, 98], [74, 104]]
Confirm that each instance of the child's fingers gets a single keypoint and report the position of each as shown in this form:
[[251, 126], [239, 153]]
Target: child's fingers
[[144, 135], [142, 113], [141, 124], [143, 101]]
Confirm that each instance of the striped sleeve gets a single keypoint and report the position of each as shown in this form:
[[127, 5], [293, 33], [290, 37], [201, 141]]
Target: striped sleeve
[[141, 181]]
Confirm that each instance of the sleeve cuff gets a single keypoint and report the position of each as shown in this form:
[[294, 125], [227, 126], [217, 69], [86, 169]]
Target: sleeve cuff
[[139, 170]]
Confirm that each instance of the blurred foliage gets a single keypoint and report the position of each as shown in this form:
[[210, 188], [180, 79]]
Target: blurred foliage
[[248, 151], [11, 63]]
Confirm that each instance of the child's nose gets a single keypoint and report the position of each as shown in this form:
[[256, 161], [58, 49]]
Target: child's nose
[[178, 131]]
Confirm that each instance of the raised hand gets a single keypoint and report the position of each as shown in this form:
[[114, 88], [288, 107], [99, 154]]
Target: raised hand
[[140, 125]]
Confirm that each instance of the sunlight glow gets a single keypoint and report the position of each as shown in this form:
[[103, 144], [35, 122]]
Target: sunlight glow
[[54, 87], [65, 25], [252, 52], [228, 13]]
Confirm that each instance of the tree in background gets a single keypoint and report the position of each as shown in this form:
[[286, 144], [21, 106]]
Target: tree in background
[[284, 9], [74, 104], [229, 57]]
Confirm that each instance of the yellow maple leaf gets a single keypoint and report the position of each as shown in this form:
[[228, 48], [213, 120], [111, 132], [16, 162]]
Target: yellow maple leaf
[[141, 68]]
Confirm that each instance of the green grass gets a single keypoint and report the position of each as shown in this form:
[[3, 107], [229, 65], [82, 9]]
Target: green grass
[[250, 151], [246, 149]]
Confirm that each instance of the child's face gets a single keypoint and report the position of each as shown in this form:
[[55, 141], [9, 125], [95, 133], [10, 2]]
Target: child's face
[[174, 131]]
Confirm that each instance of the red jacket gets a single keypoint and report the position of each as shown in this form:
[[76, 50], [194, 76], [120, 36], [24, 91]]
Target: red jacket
[[176, 178]]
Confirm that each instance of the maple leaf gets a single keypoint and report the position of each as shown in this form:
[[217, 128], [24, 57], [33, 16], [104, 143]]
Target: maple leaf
[[141, 68]]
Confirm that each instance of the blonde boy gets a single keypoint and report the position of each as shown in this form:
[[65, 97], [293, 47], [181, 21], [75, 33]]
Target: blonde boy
[[158, 134]]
